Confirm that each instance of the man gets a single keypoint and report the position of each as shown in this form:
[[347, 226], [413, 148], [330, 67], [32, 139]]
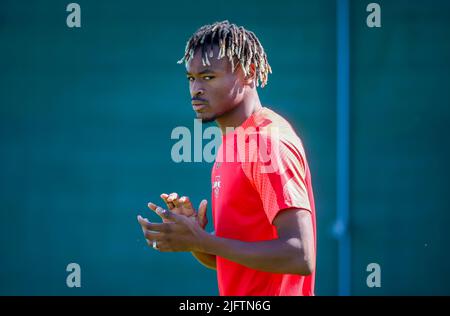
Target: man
[[263, 209]]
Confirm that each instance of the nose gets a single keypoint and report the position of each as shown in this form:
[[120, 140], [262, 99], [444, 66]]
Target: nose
[[197, 89]]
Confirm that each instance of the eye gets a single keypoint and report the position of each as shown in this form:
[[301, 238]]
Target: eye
[[190, 78], [207, 78]]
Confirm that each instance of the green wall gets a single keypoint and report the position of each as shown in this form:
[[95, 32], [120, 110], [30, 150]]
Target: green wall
[[86, 116]]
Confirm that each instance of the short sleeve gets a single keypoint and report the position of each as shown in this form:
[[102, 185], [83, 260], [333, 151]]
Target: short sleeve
[[280, 177]]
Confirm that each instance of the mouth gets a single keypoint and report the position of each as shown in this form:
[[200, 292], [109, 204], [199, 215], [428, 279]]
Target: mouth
[[198, 106]]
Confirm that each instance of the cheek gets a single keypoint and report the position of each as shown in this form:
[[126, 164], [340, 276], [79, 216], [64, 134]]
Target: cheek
[[227, 90]]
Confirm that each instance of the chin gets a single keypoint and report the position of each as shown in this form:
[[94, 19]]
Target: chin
[[206, 119]]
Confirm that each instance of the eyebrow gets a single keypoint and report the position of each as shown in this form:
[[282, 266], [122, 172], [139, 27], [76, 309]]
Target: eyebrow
[[205, 71]]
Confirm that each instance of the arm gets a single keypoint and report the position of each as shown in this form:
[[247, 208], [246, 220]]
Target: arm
[[206, 259], [293, 252]]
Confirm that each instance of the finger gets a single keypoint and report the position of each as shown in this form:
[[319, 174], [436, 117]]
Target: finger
[[143, 222], [157, 227], [173, 197], [186, 202], [202, 208], [146, 225], [154, 207], [152, 236], [168, 215], [162, 246], [151, 244], [170, 205], [158, 210]]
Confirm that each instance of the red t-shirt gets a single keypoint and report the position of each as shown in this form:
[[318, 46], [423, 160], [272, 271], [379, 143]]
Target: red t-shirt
[[260, 170]]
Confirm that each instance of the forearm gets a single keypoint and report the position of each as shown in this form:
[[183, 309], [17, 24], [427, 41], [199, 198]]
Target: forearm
[[276, 256], [206, 259]]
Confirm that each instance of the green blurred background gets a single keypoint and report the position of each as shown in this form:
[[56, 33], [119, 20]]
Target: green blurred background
[[86, 116]]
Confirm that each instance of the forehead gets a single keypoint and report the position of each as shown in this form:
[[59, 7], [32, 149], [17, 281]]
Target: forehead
[[195, 65]]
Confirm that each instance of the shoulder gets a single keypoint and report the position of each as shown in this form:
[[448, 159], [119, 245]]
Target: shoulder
[[281, 137], [272, 140]]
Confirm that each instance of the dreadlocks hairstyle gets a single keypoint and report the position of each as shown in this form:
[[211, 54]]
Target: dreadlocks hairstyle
[[237, 43]]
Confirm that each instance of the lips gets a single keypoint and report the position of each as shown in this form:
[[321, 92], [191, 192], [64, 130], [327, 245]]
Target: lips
[[198, 106]]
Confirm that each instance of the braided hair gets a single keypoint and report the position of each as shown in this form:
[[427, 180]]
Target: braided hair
[[237, 43]]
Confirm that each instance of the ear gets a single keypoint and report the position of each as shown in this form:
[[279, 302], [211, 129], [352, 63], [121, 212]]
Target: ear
[[251, 76]]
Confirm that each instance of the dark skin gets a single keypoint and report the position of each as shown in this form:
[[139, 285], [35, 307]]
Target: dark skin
[[229, 98]]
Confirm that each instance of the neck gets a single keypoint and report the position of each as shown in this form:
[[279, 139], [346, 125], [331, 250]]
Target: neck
[[236, 116]]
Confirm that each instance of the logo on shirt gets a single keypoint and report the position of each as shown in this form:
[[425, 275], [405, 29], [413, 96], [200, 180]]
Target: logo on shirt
[[216, 186]]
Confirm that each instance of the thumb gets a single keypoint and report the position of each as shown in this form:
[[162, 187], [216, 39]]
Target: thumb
[[202, 211]]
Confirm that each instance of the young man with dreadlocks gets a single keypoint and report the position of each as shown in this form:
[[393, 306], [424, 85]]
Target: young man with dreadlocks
[[264, 218]]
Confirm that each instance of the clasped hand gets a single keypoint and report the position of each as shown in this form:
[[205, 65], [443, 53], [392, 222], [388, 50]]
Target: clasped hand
[[182, 228]]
